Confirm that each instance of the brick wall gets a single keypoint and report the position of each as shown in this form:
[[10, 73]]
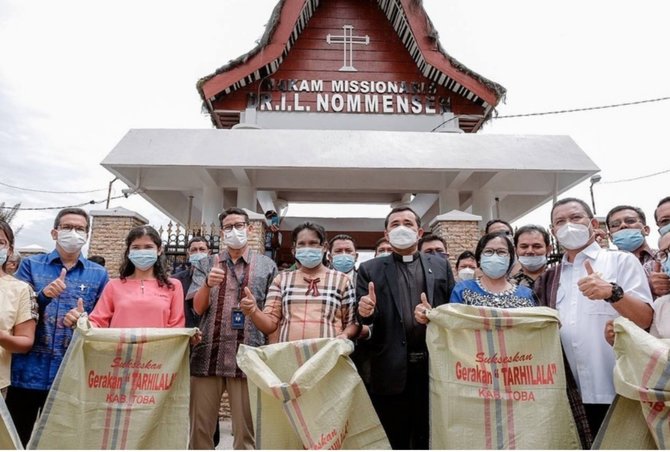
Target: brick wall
[[459, 235], [108, 235]]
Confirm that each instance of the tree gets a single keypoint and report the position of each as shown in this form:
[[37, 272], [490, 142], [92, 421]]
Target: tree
[[8, 213]]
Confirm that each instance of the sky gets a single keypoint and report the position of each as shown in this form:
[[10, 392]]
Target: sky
[[76, 75]]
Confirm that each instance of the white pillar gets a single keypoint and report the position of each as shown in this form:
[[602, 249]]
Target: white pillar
[[246, 198], [449, 200], [212, 204], [482, 201]]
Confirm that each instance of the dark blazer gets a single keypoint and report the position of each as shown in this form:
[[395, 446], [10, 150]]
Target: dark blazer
[[185, 277], [387, 348]]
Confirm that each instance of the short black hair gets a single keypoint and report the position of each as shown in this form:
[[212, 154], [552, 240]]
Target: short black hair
[[402, 209], [465, 255], [317, 228], [380, 241], [430, 237], [531, 228], [72, 211], [564, 201], [232, 211], [197, 239], [660, 203], [497, 220], [98, 260], [616, 209], [342, 237], [486, 239]]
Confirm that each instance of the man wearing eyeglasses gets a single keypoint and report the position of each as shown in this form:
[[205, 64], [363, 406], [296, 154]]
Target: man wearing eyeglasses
[[59, 278], [219, 283], [591, 286], [627, 226], [660, 280]]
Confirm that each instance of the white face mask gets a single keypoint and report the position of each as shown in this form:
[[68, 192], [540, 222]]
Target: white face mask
[[403, 237], [70, 240], [466, 273], [533, 263], [573, 236], [235, 239]]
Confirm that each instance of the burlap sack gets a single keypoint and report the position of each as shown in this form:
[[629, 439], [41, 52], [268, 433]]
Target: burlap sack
[[119, 388], [497, 379], [642, 375], [308, 394], [9, 437]]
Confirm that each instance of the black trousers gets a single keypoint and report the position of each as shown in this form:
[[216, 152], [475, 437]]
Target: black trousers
[[404, 416], [595, 414], [23, 405]]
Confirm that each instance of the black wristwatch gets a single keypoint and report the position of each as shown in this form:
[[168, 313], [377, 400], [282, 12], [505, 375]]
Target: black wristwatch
[[617, 293]]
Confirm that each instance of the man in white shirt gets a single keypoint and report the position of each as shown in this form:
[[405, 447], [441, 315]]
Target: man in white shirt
[[591, 286]]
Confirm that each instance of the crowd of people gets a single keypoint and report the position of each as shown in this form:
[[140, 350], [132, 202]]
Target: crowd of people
[[239, 296]]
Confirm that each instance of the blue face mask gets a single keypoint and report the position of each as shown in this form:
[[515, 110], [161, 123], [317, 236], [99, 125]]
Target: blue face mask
[[3, 256], [143, 259], [309, 257], [193, 258], [666, 267], [494, 266], [343, 262], [628, 239], [664, 230]]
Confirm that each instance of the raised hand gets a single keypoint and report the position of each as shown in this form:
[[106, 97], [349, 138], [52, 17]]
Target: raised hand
[[70, 319], [367, 303], [593, 286], [659, 281], [57, 286], [217, 274], [421, 309], [248, 302]]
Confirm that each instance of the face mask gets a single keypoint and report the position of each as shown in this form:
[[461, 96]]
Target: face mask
[[666, 267], [494, 266], [533, 263], [403, 237], [70, 241], [143, 259], [628, 239], [465, 274], [343, 262], [235, 239], [309, 257], [664, 230], [3, 256], [193, 258], [385, 253], [573, 236]]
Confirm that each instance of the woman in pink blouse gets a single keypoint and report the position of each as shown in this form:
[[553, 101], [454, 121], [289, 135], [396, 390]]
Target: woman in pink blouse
[[143, 296]]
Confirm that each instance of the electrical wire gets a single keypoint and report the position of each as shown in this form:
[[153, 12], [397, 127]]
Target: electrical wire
[[91, 202], [52, 191], [635, 178]]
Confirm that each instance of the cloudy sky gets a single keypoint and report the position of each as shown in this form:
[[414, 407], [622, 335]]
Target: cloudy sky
[[75, 75]]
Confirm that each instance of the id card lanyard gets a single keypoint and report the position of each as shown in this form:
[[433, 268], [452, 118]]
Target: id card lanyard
[[237, 317]]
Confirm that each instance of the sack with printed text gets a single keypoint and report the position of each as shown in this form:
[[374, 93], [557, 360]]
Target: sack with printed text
[[497, 379], [308, 394], [119, 388], [9, 437]]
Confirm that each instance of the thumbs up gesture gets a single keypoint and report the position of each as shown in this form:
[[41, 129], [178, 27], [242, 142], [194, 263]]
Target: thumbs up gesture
[[593, 286], [248, 303], [659, 281], [217, 274], [57, 286], [421, 309], [70, 319], [367, 303]]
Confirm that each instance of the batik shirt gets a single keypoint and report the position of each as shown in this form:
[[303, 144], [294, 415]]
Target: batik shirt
[[473, 293], [37, 368]]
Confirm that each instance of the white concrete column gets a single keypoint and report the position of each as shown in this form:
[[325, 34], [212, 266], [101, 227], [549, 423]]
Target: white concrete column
[[482, 202], [246, 198], [212, 204], [448, 200]]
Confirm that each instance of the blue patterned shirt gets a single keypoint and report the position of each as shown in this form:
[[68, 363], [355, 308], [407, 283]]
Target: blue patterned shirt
[[471, 292], [37, 368]]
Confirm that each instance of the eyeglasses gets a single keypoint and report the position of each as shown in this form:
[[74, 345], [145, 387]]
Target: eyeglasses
[[489, 252], [662, 255], [69, 227], [239, 226], [629, 221]]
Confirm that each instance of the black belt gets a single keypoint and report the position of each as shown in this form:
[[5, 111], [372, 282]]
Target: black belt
[[416, 357]]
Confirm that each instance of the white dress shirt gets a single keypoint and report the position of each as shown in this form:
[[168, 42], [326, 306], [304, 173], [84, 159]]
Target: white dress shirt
[[583, 320]]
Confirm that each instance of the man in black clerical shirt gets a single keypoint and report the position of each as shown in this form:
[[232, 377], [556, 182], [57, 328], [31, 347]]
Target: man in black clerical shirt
[[388, 290]]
